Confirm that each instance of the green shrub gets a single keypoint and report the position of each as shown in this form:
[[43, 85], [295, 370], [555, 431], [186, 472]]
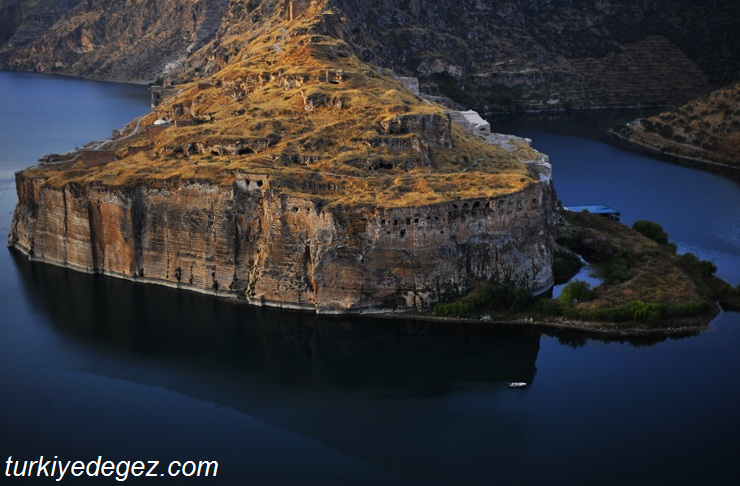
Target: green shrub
[[665, 131], [693, 264], [616, 269], [549, 307], [503, 297], [453, 309], [652, 230], [700, 272], [642, 312], [638, 311], [688, 309]]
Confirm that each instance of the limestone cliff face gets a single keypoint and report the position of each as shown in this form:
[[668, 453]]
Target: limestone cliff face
[[250, 239]]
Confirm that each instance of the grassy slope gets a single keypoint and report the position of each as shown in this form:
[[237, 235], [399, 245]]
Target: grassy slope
[[655, 275]]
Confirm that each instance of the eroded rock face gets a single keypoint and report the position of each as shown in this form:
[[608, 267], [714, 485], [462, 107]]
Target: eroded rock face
[[251, 240]]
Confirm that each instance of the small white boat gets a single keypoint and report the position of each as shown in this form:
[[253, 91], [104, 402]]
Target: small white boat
[[517, 384]]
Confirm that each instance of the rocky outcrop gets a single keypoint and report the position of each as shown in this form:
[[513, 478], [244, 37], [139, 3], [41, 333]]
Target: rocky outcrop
[[296, 176], [24, 21], [252, 240], [541, 55]]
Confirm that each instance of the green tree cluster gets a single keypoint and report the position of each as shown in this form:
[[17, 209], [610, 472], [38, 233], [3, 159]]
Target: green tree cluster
[[504, 297], [615, 269]]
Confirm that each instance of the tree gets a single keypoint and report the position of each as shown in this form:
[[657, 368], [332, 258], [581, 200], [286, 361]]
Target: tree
[[576, 291]]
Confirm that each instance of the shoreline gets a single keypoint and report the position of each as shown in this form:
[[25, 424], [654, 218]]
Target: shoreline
[[601, 329], [77, 77], [720, 168], [573, 109], [591, 328]]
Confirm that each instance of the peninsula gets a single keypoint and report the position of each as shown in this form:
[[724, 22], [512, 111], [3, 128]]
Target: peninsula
[[284, 166]]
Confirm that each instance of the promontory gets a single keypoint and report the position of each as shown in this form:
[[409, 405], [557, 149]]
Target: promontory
[[297, 175]]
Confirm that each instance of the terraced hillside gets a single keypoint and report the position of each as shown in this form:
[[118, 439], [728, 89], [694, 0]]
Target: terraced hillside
[[492, 55], [111, 40], [707, 128]]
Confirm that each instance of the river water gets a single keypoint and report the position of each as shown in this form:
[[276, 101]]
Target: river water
[[92, 366]]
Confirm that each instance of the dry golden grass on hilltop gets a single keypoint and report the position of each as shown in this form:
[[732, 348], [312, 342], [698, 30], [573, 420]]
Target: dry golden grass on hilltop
[[302, 108]]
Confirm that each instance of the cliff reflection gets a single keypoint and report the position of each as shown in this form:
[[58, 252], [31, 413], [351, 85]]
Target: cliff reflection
[[298, 349]]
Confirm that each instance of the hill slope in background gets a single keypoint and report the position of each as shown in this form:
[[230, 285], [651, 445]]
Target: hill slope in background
[[706, 128], [488, 54], [110, 40]]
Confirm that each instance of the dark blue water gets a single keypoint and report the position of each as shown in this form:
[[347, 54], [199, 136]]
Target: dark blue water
[[37, 120], [698, 209], [93, 366]]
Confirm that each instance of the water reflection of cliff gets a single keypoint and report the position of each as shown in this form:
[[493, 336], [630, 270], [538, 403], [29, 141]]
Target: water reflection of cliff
[[296, 348], [353, 384]]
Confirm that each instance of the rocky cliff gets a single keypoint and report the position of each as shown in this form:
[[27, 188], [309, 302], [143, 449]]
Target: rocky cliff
[[488, 54], [251, 240], [297, 175]]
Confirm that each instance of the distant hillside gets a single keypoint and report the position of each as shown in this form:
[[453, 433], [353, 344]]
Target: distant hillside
[[488, 54], [114, 40], [706, 128], [553, 54]]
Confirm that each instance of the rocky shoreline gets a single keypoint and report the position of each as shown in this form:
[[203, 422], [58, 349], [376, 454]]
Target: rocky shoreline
[[699, 163], [602, 329]]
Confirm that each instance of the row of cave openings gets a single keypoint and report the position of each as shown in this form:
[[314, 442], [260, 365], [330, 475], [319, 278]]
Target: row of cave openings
[[457, 211]]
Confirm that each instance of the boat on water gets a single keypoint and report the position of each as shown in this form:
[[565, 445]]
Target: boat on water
[[517, 384]]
